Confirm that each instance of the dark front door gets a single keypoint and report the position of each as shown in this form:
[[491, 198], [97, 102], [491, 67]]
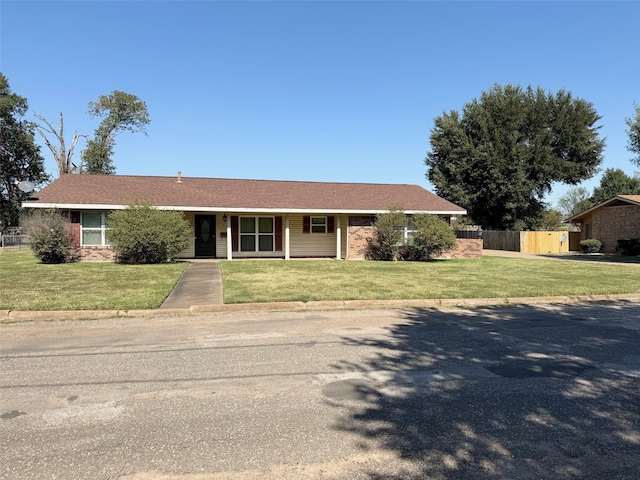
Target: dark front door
[[205, 235]]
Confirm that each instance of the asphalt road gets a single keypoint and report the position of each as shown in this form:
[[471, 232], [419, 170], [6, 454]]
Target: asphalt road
[[502, 393]]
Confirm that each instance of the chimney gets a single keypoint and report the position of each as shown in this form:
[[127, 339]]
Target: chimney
[[179, 176]]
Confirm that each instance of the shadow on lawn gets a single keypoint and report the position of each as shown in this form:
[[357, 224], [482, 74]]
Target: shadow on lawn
[[507, 392], [595, 258]]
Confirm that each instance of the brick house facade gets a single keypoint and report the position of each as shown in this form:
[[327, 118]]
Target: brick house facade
[[613, 220], [234, 218]]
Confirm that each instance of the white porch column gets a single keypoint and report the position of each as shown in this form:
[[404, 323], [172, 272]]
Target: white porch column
[[229, 239], [338, 239], [286, 237]]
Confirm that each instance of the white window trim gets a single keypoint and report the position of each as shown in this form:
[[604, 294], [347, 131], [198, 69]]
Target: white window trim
[[409, 231], [256, 234], [102, 229], [325, 225]]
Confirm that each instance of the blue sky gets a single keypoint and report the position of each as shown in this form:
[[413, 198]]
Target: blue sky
[[304, 90]]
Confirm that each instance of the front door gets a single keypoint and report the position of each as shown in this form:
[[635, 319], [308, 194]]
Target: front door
[[205, 235]]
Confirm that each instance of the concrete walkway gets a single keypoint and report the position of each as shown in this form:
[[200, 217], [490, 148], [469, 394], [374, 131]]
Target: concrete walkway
[[200, 284]]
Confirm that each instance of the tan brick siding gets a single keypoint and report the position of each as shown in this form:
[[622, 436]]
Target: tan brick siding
[[466, 248], [611, 224], [93, 254], [358, 236]]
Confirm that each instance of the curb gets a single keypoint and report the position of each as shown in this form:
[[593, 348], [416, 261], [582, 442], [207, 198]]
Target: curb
[[17, 316]]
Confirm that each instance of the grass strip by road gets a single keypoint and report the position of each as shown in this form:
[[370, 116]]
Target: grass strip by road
[[490, 277], [26, 284]]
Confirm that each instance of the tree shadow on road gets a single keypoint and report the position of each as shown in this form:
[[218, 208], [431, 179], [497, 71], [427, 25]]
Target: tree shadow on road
[[503, 392]]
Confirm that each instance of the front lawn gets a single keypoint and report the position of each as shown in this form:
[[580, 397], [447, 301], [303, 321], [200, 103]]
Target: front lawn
[[29, 285], [490, 277]]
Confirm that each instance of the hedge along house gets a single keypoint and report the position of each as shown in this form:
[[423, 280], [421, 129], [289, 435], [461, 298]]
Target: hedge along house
[[240, 218], [616, 219]]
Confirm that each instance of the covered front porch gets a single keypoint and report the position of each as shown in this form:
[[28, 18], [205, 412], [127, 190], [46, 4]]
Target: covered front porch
[[266, 235]]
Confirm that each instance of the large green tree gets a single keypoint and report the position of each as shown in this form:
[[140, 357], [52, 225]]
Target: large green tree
[[20, 158], [615, 182], [634, 136], [501, 155], [120, 112]]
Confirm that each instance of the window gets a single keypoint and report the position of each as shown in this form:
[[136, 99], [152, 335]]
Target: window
[[409, 231], [256, 234], [318, 224], [93, 229]]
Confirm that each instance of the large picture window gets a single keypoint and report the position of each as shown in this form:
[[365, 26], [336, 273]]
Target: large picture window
[[257, 234], [93, 229]]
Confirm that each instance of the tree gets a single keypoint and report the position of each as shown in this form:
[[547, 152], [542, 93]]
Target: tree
[[500, 157], [634, 136], [61, 155], [120, 112], [20, 157], [615, 182], [551, 220], [143, 234], [576, 200]]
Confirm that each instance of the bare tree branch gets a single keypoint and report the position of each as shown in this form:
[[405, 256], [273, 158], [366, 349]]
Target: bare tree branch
[[61, 155]]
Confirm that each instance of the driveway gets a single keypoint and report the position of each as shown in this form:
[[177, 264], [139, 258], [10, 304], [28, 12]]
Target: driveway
[[502, 393]]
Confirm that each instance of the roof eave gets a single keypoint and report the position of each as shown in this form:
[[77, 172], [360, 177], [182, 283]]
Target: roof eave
[[577, 217], [77, 206]]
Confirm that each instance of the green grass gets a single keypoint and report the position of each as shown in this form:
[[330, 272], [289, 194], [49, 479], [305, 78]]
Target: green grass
[[29, 285], [599, 258], [489, 277]]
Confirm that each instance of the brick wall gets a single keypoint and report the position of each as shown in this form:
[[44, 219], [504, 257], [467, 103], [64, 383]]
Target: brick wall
[[94, 254], [466, 248], [359, 230], [358, 235], [610, 224]]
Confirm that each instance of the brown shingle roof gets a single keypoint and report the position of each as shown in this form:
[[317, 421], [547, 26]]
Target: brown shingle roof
[[624, 199], [235, 195], [633, 198]]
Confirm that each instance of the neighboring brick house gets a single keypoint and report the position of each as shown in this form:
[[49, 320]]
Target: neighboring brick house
[[244, 218], [617, 218]]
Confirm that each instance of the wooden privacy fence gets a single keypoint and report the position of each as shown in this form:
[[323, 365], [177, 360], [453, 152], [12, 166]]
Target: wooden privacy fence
[[526, 242]]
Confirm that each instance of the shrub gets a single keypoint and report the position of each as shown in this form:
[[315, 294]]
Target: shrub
[[629, 246], [388, 236], [143, 234], [590, 245], [50, 236], [432, 237]]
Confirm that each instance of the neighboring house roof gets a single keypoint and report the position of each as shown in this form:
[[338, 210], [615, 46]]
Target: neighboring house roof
[[74, 191], [617, 200]]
